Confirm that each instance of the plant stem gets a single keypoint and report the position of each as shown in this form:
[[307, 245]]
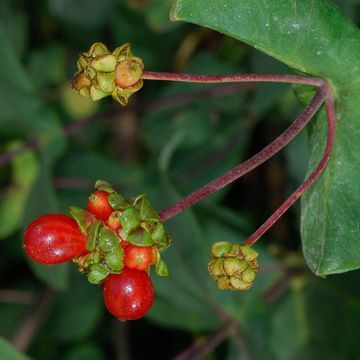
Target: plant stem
[[248, 165], [307, 183], [200, 349], [278, 78]]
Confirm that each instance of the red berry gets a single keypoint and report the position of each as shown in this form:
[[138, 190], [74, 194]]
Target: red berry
[[53, 239], [139, 257], [113, 222], [128, 295], [98, 205]]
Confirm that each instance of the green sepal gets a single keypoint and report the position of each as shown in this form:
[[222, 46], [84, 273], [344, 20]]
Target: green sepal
[[147, 212], [108, 240], [118, 202], [104, 63], [93, 235], [114, 259], [159, 237], [97, 274], [97, 94], [93, 258], [140, 237], [221, 248], [161, 268], [106, 82], [104, 185], [83, 218], [129, 220]]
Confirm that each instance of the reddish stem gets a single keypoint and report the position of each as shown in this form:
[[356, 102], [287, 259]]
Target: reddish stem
[[248, 165], [307, 183], [278, 78]]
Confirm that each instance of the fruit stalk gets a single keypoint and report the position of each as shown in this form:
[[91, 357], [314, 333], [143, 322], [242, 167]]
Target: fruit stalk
[[270, 150]]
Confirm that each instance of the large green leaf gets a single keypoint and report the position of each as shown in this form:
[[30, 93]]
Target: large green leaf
[[315, 38]]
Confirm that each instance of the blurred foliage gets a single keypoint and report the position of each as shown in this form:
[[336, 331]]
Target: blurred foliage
[[171, 139]]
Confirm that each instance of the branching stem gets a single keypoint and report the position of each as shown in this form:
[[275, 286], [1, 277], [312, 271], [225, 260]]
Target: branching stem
[[294, 129]]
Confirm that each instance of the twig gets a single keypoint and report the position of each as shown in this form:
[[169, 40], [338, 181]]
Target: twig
[[307, 183], [248, 165], [120, 340], [200, 349], [17, 297], [32, 322], [167, 102]]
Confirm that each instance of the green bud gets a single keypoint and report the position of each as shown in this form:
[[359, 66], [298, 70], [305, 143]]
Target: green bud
[[97, 274], [234, 266], [236, 283], [105, 63], [97, 49], [248, 253], [106, 82], [222, 282], [216, 267], [97, 94], [248, 275], [114, 260], [220, 248], [108, 240]]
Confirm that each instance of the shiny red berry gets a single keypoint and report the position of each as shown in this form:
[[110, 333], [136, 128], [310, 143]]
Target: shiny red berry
[[128, 295], [98, 204], [53, 239], [139, 257]]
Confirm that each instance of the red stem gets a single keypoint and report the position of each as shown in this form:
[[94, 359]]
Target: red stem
[[278, 78], [248, 165], [307, 183]]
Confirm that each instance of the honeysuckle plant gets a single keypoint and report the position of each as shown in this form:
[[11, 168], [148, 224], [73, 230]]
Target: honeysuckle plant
[[220, 269], [319, 45]]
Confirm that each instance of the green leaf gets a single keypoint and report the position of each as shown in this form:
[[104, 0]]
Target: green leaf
[[315, 38], [56, 276], [25, 168], [77, 312], [9, 353], [83, 13], [86, 351]]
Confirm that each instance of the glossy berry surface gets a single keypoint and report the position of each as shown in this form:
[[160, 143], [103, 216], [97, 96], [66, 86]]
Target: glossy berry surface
[[139, 257], [53, 239], [99, 206], [128, 295]]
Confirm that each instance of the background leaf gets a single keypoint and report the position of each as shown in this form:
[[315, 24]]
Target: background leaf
[[8, 353]]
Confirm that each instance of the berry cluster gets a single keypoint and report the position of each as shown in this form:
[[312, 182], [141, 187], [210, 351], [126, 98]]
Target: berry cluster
[[114, 242]]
